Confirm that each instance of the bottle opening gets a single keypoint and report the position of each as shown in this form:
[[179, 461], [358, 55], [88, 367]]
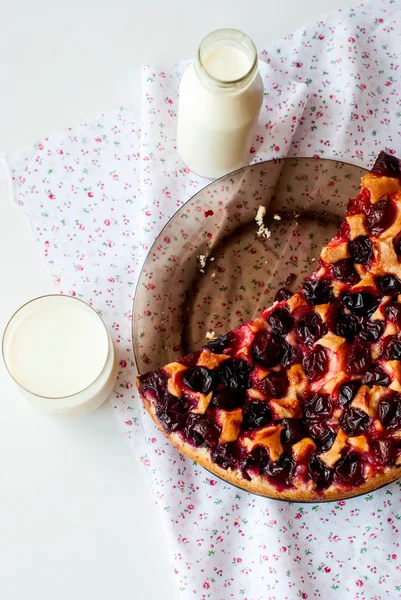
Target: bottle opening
[[227, 57]]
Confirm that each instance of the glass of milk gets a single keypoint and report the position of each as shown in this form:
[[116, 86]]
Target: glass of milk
[[60, 354], [221, 93]]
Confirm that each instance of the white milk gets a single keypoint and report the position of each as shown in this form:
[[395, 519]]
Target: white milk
[[221, 93], [59, 352]]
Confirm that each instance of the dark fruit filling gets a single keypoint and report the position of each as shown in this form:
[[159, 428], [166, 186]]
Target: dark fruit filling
[[228, 400], [316, 364], [202, 430], [317, 406], [256, 414], [282, 294], [392, 348], [397, 244], [376, 375], [171, 412], [287, 354], [361, 303], [225, 456], [321, 434], [293, 432], [389, 285], [390, 411], [383, 451], [387, 165], [255, 461], [380, 216], [155, 382], [199, 379], [233, 375], [281, 321], [354, 421], [282, 469], [393, 312], [361, 250], [344, 270], [220, 344], [310, 329], [319, 472], [318, 291], [275, 385], [349, 469], [348, 391], [345, 325], [266, 348], [369, 331], [359, 358]]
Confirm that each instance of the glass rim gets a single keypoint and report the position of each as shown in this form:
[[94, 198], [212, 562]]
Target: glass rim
[[30, 302], [228, 83]]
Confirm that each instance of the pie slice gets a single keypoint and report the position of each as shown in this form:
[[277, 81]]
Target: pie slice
[[304, 403]]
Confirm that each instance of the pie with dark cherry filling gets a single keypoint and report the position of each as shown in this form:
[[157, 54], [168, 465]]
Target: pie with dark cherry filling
[[304, 403]]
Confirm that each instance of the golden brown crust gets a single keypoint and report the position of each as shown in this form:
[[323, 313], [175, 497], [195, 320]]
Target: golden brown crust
[[260, 485]]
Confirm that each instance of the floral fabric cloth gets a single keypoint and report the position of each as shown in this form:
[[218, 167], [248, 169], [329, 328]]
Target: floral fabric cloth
[[98, 194]]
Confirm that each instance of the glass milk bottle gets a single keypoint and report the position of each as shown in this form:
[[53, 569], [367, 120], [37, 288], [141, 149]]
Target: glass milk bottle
[[221, 93]]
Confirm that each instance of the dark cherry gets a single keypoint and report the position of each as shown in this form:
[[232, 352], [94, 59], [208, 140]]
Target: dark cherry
[[359, 358], [190, 359], [316, 364], [287, 354], [225, 456], [310, 329], [155, 382], [348, 391], [199, 379], [233, 375], [369, 331], [170, 411], [266, 349], [393, 312], [380, 216], [361, 250], [391, 348], [256, 461], [390, 411], [321, 434], [318, 291], [344, 271], [228, 400], [282, 294], [349, 469], [354, 421], [275, 385], [293, 432], [319, 472], [220, 344], [282, 470], [345, 325], [383, 451], [397, 244], [361, 303], [389, 285], [386, 164], [376, 375], [202, 430], [256, 414], [317, 406], [281, 321], [290, 279]]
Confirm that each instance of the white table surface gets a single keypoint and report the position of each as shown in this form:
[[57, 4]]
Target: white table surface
[[76, 519]]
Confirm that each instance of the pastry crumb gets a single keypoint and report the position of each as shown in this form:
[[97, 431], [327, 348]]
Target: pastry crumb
[[211, 259], [213, 275], [210, 335], [263, 231], [277, 217]]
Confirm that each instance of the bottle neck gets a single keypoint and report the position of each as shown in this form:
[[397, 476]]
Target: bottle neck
[[226, 61]]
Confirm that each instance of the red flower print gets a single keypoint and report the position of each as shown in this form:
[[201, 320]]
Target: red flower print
[[320, 36], [299, 65], [212, 482], [123, 364], [252, 150], [166, 239], [327, 569], [359, 582], [40, 147], [129, 422], [127, 385], [52, 196], [90, 194], [206, 585], [106, 222]]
